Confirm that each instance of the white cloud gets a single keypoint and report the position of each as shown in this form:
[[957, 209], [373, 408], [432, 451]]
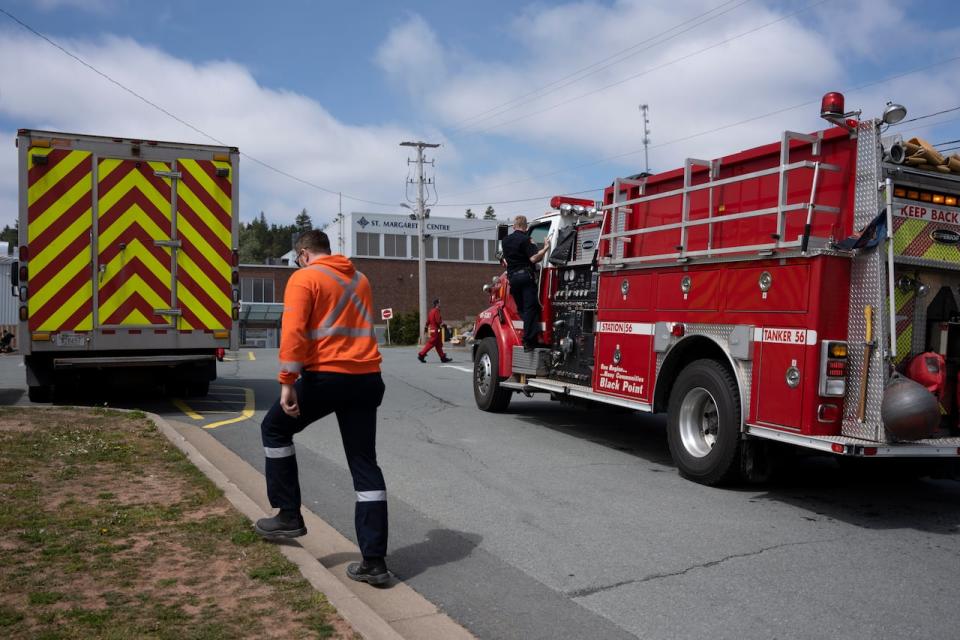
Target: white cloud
[[95, 6], [281, 128], [758, 59]]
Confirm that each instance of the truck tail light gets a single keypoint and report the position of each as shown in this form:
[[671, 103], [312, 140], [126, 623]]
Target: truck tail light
[[24, 253], [236, 257], [23, 274], [833, 369], [23, 313], [236, 313]]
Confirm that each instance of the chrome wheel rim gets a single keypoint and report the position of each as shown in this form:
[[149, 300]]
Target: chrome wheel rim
[[483, 374], [699, 422]]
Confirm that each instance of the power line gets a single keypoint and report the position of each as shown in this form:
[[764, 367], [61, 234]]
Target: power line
[[642, 73], [181, 120], [521, 100], [929, 115]]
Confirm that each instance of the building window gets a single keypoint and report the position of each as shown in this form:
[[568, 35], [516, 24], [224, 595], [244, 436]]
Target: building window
[[472, 249], [368, 244], [256, 290], [415, 248], [492, 250], [448, 248], [394, 245]]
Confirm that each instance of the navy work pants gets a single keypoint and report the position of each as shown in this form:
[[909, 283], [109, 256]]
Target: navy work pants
[[523, 288], [354, 398]]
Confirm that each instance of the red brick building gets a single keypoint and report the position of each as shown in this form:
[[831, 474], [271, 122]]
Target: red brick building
[[460, 258]]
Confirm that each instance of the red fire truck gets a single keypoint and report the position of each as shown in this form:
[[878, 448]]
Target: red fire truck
[[755, 299]]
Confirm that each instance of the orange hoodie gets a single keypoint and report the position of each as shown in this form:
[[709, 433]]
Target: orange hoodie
[[327, 321]]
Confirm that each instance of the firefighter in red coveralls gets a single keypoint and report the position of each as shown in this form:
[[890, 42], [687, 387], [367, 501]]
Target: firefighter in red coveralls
[[434, 322]]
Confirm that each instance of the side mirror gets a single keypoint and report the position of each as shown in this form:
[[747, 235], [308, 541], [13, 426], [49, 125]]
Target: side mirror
[[15, 277], [501, 231]]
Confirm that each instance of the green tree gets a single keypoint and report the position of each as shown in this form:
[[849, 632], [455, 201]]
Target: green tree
[[11, 234], [303, 222], [470, 215], [489, 214]]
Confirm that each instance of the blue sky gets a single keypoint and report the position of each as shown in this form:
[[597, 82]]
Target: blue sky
[[327, 90]]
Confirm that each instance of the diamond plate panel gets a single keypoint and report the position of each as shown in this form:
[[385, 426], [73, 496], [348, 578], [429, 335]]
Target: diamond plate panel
[[867, 287], [719, 333], [591, 236]]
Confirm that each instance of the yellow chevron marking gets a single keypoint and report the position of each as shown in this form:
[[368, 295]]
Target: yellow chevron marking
[[136, 318], [37, 151], [186, 298], [55, 174], [83, 296], [203, 280], [207, 182], [187, 231], [133, 215], [907, 233], [134, 180], [134, 284], [48, 253], [206, 217], [136, 251], [40, 297], [60, 206]]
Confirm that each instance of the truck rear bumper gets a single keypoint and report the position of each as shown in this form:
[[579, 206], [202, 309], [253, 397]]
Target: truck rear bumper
[[132, 361]]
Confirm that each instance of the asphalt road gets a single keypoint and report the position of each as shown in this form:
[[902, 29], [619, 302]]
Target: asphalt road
[[558, 522]]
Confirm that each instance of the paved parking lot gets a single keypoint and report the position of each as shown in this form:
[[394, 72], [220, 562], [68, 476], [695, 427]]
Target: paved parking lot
[[557, 522]]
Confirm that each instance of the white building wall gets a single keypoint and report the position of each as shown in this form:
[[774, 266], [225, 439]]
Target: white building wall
[[450, 230]]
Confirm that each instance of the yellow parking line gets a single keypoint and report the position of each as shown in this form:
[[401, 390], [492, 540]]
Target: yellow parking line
[[180, 404], [245, 415], [251, 356]]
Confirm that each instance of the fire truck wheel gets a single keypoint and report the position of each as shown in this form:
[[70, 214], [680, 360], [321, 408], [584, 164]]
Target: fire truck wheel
[[703, 423], [39, 393], [488, 393]]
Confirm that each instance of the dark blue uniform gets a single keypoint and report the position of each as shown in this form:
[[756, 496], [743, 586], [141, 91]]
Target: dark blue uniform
[[518, 248]]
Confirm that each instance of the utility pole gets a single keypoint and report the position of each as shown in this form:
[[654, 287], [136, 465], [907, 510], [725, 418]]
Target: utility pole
[[644, 109], [340, 220], [420, 213]]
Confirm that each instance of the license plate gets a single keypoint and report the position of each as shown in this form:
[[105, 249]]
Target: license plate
[[70, 340]]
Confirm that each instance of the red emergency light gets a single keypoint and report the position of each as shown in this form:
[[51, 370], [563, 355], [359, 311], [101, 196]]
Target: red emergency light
[[556, 201], [832, 105]]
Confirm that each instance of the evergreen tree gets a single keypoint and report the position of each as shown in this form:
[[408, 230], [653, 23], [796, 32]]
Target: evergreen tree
[[489, 214], [303, 222], [11, 235], [470, 215]]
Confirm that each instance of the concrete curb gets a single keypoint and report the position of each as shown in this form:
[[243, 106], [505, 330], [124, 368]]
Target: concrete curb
[[394, 613], [360, 616]]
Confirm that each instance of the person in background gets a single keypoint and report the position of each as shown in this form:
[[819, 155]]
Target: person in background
[[435, 340]]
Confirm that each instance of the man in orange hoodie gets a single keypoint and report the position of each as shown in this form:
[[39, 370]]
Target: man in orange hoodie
[[329, 363]]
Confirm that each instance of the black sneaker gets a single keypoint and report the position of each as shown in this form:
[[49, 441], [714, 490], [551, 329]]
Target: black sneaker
[[282, 525], [369, 571], [421, 358], [446, 359]]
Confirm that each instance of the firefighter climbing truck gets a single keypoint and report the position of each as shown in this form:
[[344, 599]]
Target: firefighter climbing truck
[[757, 298], [127, 260]]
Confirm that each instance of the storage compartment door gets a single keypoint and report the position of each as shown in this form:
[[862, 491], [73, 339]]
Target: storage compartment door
[[623, 355], [134, 259], [204, 228]]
